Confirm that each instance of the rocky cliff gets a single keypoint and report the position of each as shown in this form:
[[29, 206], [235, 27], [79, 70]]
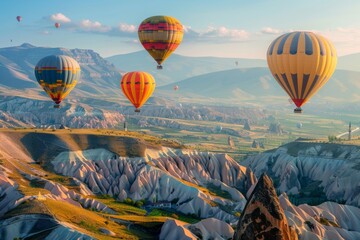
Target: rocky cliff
[[17, 70], [312, 171], [38, 226], [22, 112], [263, 217], [169, 175]]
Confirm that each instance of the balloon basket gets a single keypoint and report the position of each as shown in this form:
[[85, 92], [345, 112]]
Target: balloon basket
[[57, 106], [137, 110], [298, 110], [159, 67]]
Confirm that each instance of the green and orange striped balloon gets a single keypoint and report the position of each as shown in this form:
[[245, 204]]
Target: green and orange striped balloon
[[138, 87]]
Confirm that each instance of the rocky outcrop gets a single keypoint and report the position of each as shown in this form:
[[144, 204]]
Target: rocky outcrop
[[176, 230], [10, 197], [328, 220], [175, 124], [37, 226], [61, 193], [172, 110], [231, 142], [20, 112], [247, 125], [255, 144], [263, 217], [210, 228], [275, 128], [168, 175], [333, 170]]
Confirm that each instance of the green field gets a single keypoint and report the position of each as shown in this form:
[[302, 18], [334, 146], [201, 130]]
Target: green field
[[313, 127]]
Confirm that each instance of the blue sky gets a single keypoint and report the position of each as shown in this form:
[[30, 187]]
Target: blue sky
[[228, 28]]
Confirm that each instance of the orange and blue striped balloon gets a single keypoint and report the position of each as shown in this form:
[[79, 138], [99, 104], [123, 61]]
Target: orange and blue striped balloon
[[301, 62], [138, 87], [160, 36], [57, 75]]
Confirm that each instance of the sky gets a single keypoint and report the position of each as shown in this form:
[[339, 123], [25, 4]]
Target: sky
[[228, 28]]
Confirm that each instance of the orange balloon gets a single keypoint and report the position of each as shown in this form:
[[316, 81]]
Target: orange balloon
[[138, 87]]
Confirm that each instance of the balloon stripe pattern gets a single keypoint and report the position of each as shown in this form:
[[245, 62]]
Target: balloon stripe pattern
[[57, 75], [301, 62], [160, 36], [138, 87]]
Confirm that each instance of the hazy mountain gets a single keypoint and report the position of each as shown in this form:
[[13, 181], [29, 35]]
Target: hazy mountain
[[201, 79], [177, 67], [349, 62], [257, 85], [98, 77]]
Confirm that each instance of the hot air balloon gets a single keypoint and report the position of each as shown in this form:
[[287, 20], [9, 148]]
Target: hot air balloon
[[57, 75], [301, 62], [18, 18], [57, 25], [160, 36], [299, 125], [176, 87], [137, 87]]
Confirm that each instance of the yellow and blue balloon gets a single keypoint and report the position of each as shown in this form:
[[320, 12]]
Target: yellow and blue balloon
[[57, 75], [301, 62]]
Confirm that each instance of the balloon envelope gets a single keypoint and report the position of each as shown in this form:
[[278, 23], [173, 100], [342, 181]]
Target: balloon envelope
[[57, 25], [160, 36], [138, 87], [176, 87], [301, 62], [18, 18], [57, 75]]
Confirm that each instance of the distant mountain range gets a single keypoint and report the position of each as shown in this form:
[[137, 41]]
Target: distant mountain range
[[99, 77], [258, 86], [220, 80], [349, 62], [177, 67]]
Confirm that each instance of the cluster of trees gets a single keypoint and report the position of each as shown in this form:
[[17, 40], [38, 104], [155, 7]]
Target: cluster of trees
[[138, 203]]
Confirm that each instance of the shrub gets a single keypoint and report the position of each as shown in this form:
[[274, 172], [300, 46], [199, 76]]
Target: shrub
[[174, 216]]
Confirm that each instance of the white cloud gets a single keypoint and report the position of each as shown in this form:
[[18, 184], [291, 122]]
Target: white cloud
[[232, 33], [90, 26], [270, 30], [345, 40], [59, 17], [123, 27], [218, 34], [186, 28]]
